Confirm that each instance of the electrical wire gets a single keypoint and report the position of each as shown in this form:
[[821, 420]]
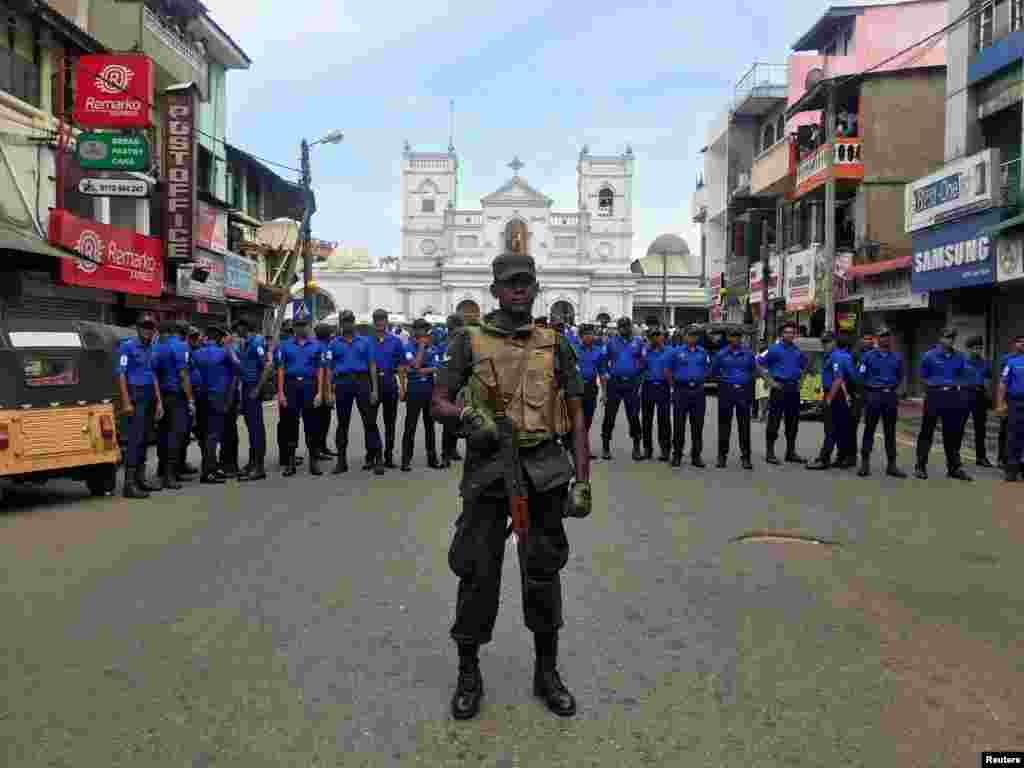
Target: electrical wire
[[123, 89]]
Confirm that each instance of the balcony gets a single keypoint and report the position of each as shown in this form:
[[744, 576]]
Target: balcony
[[699, 203], [815, 169], [997, 37], [761, 89], [773, 170]]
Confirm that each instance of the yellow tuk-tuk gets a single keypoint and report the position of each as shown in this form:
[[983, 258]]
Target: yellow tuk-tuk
[[57, 403], [812, 401]]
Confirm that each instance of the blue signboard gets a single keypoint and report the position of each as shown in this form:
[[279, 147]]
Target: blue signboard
[[955, 255]]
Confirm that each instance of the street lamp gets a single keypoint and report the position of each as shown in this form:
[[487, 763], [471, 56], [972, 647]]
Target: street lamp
[[334, 137]]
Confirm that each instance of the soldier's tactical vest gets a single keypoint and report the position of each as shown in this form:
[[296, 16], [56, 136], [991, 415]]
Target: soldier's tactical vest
[[533, 400]]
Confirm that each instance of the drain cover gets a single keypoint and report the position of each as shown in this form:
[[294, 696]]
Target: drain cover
[[782, 537]]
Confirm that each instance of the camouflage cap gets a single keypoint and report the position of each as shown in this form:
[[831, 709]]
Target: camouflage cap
[[509, 265]]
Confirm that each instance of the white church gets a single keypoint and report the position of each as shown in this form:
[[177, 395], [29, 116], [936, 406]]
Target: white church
[[584, 257]]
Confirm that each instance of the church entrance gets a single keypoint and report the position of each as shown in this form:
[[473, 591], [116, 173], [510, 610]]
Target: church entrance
[[469, 310], [563, 310]]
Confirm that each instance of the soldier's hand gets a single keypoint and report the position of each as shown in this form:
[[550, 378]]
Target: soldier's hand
[[282, 401], [318, 401], [478, 426], [373, 399], [159, 411], [580, 501]]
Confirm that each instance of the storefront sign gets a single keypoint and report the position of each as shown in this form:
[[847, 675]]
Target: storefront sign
[[846, 321], [955, 255], [113, 91], [113, 187], [1009, 258], [180, 160], [800, 280], [213, 288], [964, 186], [117, 259], [240, 277], [716, 289], [212, 232], [112, 152], [891, 291], [757, 280]]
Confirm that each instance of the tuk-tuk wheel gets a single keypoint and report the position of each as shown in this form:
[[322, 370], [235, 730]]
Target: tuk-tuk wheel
[[102, 480]]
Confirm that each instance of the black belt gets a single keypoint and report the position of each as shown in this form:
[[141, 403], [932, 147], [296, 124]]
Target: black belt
[[944, 388], [736, 386], [298, 378], [787, 382], [657, 382], [689, 383], [880, 389], [352, 375], [627, 379]]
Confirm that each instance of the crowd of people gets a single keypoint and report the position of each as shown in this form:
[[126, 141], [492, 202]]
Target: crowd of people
[[203, 383]]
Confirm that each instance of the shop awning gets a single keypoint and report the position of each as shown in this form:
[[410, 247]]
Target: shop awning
[[880, 267], [1003, 226], [16, 238], [17, 227]]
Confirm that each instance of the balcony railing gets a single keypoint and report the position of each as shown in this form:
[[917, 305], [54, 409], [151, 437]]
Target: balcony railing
[[762, 81], [189, 50], [995, 19], [1009, 179]]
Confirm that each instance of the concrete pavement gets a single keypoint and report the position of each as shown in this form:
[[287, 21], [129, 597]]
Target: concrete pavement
[[304, 622]]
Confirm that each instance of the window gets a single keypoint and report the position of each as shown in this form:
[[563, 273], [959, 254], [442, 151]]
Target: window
[[848, 41], [605, 202], [768, 137], [565, 243], [427, 205], [983, 29], [204, 173], [467, 241], [49, 369], [122, 213], [19, 61], [780, 128]]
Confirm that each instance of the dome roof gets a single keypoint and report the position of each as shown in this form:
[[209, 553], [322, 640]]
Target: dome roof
[[671, 244]]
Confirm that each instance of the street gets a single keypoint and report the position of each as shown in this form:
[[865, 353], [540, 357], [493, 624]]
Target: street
[[305, 622]]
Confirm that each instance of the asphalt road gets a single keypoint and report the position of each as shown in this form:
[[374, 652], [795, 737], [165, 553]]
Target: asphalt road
[[304, 622]]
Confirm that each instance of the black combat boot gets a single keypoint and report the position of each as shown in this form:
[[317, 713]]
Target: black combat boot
[[921, 472], [378, 466], [469, 689], [432, 461], [957, 473], [289, 464], [721, 461], [698, 462], [792, 457], [132, 491], [369, 463], [257, 472], [1011, 473], [769, 454], [893, 471], [819, 463], [141, 483], [607, 450], [314, 464], [865, 467], [677, 460], [638, 454], [648, 451], [341, 465], [746, 463], [171, 477], [547, 684], [984, 462]]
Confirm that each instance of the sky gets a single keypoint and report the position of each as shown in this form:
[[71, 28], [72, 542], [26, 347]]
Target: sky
[[531, 78]]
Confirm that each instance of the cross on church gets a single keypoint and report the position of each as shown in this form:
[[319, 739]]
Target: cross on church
[[515, 165]]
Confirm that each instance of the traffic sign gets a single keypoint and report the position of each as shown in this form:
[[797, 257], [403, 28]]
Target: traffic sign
[[300, 310], [113, 187], [112, 152]]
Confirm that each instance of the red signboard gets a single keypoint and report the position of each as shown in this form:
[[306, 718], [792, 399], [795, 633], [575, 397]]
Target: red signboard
[[118, 259], [113, 91], [212, 232], [180, 161]]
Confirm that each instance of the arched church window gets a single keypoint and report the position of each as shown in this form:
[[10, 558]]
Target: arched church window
[[605, 202]]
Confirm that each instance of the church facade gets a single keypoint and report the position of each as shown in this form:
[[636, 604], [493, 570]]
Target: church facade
[[583, 256]]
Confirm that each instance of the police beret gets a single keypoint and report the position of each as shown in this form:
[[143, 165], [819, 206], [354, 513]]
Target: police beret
[[975, 341], [347, 316], [827, 337], [623, 321], [380, 314], [949, 333]]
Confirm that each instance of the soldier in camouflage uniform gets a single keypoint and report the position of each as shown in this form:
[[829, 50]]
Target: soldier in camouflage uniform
[[535, 371]]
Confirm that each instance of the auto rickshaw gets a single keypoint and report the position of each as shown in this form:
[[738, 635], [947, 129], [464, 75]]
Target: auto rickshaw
[[812, 401], [57, 403]]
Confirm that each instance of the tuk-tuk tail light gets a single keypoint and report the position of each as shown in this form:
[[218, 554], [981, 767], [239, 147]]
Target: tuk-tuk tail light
[[107, 427], [5, 437]]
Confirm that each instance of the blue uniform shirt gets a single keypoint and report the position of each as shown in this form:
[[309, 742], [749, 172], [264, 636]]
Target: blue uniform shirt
[[218, 367], [252, 354], [940, 368], [431, 359], [349, 356], [881, 369], [1012, 376], [784, 362], [169, 359], [300, 360], [838, 365], [735, 366], [626, 358], [657, 360], [592, 362], [388, 353], [135, 361], [979, 371], [689, 365]]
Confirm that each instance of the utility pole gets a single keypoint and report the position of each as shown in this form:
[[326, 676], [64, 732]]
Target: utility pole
[[830, 211], [305, 235]]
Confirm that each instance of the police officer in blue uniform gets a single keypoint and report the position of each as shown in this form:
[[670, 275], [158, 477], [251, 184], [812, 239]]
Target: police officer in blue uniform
[[735, 366], [944, 371], [353, 375], [140, 392], [837, 373], [449, 436], [228, 464], [324, 337], [655, 396], [625, 354], [848, 453], [688, 368], [881, 374], [171, 368], [388, 355], [784, 363], [300, 389], [1003, 417], [979, 389], [1011, 403], [219, 368], [196, 419], [593, 367], [252, 355], [421, 363]]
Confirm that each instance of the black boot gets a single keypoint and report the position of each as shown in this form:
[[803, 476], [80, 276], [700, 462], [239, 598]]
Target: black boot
[[984, 462], [607, 450], [378, 466], [141, 483], [921, 472], [547, 684], [187, 470], [369, 463], [698, 462], [638, 455], [769, 454], [1011, 473], [677, 460], [746, 463], [389, 458], [406, 460], [893, 471], [469, 689], [819, 463], [957, 473], [132, 491], [455, 455], [721, 461], [289, 465], [314, 464], [792, 457], [256, 473], [341, 465], [865, 467], [648, 451], [432, 461], [171, 478], [666, 452]]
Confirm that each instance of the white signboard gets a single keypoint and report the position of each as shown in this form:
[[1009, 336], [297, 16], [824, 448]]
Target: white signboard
[[1009, 259], [963, 186], [113, 187], [800, 280], [891, 291], [756, 281]]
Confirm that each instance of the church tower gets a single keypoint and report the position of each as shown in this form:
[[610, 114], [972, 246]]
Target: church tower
[[428, 190], [605, 190]]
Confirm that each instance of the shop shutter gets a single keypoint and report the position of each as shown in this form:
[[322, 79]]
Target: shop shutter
[[35, 307]]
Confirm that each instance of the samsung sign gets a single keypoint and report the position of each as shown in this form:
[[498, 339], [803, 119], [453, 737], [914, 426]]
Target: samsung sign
[[962, 187], [957, 255]]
